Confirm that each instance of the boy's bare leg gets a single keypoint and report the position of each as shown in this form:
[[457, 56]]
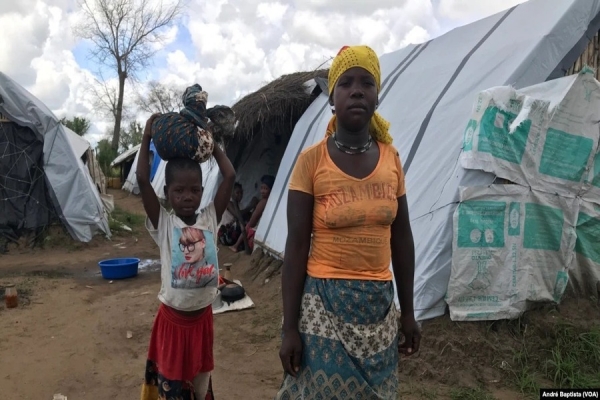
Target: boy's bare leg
[[201, 385]]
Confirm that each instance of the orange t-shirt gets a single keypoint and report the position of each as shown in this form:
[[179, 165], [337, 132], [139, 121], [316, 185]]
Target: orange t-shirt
[[351, 217]]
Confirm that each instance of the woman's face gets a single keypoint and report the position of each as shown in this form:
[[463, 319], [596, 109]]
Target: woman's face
[[194, 252], [355, 98]]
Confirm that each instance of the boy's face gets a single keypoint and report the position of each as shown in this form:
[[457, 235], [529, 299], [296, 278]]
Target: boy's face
[[185, 192], [238, 194], [264, 191]]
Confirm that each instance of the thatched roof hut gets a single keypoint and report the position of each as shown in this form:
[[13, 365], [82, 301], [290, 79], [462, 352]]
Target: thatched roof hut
[[589, 57], [277, 106], [265, 121], [270, 114]]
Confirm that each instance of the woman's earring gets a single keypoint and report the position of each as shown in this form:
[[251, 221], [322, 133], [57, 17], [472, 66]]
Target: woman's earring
[[333, 109], [376, 105]]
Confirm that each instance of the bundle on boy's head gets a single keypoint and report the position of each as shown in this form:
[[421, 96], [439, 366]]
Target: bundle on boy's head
[[176, 165], [193, 131]]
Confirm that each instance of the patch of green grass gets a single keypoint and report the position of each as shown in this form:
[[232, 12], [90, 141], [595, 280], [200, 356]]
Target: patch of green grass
[[57, 236], [527, 381], [574, 360], [526, 377], [120, 217], [566, 357], [470, 394]]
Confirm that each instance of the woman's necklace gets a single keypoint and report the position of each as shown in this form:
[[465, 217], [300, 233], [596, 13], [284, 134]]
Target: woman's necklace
[[352, 150]]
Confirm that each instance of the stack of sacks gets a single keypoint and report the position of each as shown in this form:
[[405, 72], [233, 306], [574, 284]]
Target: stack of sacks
[[193, 131]]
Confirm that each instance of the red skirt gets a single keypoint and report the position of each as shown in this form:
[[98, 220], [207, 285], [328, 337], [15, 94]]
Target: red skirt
[[181, 347], [250, 235]]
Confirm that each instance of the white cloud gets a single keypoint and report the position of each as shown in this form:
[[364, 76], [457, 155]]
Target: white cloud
[[23, 37], [350, 7], [471, 10], [271, 13], [169, 37], [236, 46]]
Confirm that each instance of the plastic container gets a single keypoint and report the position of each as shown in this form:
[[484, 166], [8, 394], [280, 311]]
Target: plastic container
[[11, 298], [227, 272], [119, 268]]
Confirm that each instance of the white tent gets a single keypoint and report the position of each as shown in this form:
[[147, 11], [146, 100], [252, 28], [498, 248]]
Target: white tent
[[125, 155], [210, 179], [73, 194], [84, 151], [427, 95], [130, 183]]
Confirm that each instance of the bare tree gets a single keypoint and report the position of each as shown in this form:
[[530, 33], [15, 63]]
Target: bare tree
[[124, 34], [105, 100], [160, 99]]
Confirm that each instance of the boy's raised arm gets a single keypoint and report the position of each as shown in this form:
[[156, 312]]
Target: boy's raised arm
[[142, 173], [225, 189], [258, 212]]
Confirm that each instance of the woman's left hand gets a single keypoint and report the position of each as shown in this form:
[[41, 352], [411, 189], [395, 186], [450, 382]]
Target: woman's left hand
[[412, 335]]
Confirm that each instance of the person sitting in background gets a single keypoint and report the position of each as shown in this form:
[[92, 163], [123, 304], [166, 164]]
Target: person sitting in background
[[267, 182], [235, 205], [249, 209], [231, 228]]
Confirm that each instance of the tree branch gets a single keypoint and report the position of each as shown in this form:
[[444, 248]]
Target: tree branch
[[122, 32]]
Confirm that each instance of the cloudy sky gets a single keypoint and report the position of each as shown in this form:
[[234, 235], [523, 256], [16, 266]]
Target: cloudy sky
[[230, 47]]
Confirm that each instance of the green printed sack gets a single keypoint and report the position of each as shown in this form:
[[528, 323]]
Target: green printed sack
[[511, 246], [544, 136], [585, 276]]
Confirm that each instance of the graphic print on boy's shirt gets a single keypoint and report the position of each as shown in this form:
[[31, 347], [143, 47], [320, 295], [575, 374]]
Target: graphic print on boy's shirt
[[193, 259]]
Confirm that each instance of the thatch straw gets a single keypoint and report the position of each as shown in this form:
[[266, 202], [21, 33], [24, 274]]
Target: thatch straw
[[275, 107]]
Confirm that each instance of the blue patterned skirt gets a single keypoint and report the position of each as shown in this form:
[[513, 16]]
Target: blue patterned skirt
[[349, 332]]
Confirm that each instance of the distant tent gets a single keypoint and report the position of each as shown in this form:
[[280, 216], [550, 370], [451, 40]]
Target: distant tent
[[427, 94], [43, 177], [125, 162], [85, 152]]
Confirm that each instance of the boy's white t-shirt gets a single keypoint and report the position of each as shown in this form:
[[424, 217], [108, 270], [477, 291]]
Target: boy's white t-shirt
[[189, 276]]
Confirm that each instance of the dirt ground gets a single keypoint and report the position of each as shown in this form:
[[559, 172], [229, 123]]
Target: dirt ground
[[69, 333]]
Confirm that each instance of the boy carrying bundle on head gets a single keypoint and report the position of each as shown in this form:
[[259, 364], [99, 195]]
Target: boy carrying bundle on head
[[180, 355]]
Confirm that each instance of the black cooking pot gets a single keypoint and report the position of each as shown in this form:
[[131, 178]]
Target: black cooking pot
[[232, 292]]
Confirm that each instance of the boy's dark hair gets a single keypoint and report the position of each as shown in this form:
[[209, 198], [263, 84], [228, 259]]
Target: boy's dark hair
[[268, 180], [237, 185], [176, 165]]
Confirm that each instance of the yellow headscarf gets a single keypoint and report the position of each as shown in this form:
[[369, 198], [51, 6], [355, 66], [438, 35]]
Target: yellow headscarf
[[363, 57]]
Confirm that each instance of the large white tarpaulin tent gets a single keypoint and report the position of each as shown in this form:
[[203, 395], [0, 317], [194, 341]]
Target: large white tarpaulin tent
[[427, 95], [72, 191]]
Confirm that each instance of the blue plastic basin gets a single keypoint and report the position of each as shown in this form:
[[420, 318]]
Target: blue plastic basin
[[119, 268]]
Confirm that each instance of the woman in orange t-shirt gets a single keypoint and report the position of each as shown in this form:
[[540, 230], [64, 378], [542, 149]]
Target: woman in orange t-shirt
[[347, 219]]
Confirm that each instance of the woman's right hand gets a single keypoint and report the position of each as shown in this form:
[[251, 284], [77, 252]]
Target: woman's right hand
[[148, 128], [291, 352]]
